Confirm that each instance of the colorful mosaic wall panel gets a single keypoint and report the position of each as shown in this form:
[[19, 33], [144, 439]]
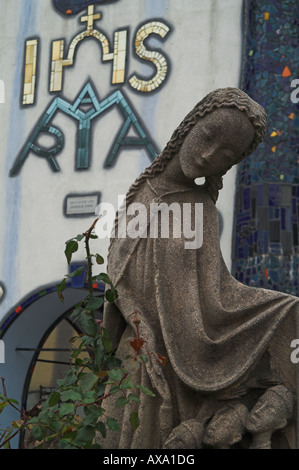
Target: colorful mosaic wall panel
[[72, 7], [265, 244]]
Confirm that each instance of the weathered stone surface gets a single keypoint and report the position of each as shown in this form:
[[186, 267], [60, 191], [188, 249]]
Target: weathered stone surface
[[216, 332], [272, 412]]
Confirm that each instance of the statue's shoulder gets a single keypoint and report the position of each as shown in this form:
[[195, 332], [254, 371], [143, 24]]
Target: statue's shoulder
[[197, 194]]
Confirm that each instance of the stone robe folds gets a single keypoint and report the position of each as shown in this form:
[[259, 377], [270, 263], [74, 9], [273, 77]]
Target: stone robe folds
[[212, 329]]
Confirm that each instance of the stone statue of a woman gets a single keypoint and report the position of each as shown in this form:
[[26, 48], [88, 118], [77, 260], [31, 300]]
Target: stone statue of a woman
[[223, 340]]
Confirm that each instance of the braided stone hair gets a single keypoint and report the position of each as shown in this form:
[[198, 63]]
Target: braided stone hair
[[220, 98]]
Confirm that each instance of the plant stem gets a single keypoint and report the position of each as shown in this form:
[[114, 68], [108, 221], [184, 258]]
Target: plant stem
[[89, 262], [89, 268]]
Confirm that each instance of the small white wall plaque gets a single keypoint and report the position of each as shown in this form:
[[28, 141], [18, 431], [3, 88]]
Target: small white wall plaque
[[81, 204]]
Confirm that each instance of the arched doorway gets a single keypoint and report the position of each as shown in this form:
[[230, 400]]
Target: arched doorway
[[35, 335]]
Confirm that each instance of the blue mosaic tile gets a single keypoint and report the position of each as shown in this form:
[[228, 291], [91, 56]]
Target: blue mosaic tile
[[266, 238]]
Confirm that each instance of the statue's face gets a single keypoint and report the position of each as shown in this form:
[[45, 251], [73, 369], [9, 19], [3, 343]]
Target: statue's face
[[215, 143], [267, 414], [223, 429]]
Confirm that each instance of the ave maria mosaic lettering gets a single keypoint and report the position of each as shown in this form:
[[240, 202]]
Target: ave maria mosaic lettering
[[84, 119]]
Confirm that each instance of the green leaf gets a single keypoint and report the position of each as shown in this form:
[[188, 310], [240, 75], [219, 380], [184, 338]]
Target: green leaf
[[113, 361], [99, 259], [94, 303], [103, 277], [121, 401], [44, 417], [133, 397], [76, 311], [89, 397], [86, 340], [90, 420], [101, 427], [77, 272], [38, 432], [78, 361], [100, 389], [56, 426], [60, 288], [12, 400], [99, 355], [71, 247], [7, 444], [68, 380], [88, 324], [71, 378], [134, 420], [127, 383], [64, 444], [80, 237], [115, 375], [146, 391], [35, 419], [76, 352], [71, 394], [111, 294], [88, 381], [85, 434], [112, 424], [107, 342], [66, 408], [3, 404], [70, 240], [93, 414], [142, 358], [54, 398]]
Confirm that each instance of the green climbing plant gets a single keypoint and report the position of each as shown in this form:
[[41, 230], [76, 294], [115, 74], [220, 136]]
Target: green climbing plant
[[74, 413]]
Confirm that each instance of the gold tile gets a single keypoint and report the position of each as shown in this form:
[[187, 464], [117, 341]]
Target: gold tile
[[28, 73], [29, 54], [57, 50], [57, 66], [57, 81], [67, 62], [118, 76], [27, 88], [121, 59], [122, 40]]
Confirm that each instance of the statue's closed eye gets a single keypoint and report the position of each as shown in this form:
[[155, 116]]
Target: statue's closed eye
[[208, 132]]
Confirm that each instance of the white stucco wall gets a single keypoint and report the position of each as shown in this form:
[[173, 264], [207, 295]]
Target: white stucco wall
[[204, 52]]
